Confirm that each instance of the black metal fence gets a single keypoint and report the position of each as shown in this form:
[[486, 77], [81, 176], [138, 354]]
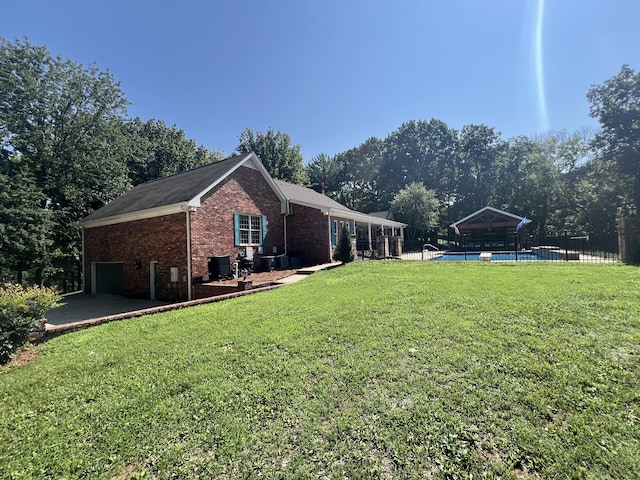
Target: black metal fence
[[566, 247]]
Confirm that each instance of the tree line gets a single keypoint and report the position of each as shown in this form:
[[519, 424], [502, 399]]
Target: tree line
[[69, 147], [550, 179], [578, 182]]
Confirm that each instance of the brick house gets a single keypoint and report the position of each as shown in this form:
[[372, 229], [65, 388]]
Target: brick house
[[159, 239]]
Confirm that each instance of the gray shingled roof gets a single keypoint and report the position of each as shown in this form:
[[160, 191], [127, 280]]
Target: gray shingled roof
[[184, 188], [174, 189], [309, 197]]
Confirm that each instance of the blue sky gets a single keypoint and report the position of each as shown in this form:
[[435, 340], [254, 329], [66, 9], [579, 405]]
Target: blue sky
[[332, 73]]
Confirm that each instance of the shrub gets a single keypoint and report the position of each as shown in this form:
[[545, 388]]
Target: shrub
[[344, 252], [21, 316]]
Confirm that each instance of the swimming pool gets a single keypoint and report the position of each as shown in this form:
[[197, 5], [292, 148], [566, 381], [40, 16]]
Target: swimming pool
[[495, 257]]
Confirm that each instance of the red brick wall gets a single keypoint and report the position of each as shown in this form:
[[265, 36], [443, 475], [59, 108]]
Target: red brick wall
[[309, 235], [161, 239], [212, 229]]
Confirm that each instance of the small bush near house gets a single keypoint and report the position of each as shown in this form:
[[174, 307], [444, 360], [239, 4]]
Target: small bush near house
[[21, 315], [344, 252]]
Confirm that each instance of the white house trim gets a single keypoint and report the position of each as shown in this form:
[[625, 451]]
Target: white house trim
[[490, 209], [139, 215]]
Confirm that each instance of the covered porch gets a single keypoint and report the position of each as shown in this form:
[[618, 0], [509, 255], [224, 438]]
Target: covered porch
[[378, 238]]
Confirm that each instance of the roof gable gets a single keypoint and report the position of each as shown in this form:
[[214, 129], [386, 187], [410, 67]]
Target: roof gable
[[490, 215], [175, 193]]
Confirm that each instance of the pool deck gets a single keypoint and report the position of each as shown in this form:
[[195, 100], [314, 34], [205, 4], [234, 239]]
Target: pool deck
[[498, 256]]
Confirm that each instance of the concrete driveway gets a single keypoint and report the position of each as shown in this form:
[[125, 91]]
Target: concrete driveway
[[79, 307], [83, 310]]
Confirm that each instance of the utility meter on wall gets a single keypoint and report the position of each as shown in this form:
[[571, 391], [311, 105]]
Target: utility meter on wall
[[174, 274]]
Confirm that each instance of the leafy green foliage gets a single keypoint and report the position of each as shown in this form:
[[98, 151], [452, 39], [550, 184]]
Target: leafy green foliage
[[344, 252], [324, 172], [359, 186], [480, 161], [372, 370], [21, 315], [66, 149], [158, 151], [417, 207], [420, 151], [24, 224], [277, 153], [616, 105], [57, 120]]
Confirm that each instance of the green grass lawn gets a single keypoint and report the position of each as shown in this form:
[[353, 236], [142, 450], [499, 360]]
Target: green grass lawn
[[371, 370]]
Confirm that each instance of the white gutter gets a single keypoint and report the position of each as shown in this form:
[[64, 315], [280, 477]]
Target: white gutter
[[138, 215], [363, 217]]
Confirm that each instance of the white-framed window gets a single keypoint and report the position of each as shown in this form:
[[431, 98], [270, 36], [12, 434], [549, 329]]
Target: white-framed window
[[250, 229]]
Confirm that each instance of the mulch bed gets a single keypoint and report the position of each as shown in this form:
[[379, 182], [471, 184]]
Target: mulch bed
[[259, 278], [25, 355]]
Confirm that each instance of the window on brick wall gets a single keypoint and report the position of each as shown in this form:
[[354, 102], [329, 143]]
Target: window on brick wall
[[250, 229]]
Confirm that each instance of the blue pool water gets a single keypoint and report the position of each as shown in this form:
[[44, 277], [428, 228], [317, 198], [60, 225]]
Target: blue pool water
[[495, 257]]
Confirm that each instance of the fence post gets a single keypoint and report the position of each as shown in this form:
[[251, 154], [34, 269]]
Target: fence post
[[464, 245], [566, 246], [515, 244]]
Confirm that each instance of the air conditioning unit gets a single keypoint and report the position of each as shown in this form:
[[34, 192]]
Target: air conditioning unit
[[219, 267], [282, 262]]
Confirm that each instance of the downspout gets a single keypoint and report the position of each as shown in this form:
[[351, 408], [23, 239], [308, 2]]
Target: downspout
[[330, 235], [189, 285], [286, 248], [286, 243], [84, 274]]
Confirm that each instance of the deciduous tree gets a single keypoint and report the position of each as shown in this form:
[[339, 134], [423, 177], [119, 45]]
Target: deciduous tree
[[418, 207], [25, 226], [278, 154], [59, 120], [420, 151], [157, 150], [479, 162], [359, 176], [616, 105]]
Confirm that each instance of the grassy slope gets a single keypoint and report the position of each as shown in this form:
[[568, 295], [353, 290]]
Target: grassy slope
[[382, 369]]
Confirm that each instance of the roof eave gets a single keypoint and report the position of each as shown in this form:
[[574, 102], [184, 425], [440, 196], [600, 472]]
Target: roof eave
[[514, 217], [363, 217], [138, 215]]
